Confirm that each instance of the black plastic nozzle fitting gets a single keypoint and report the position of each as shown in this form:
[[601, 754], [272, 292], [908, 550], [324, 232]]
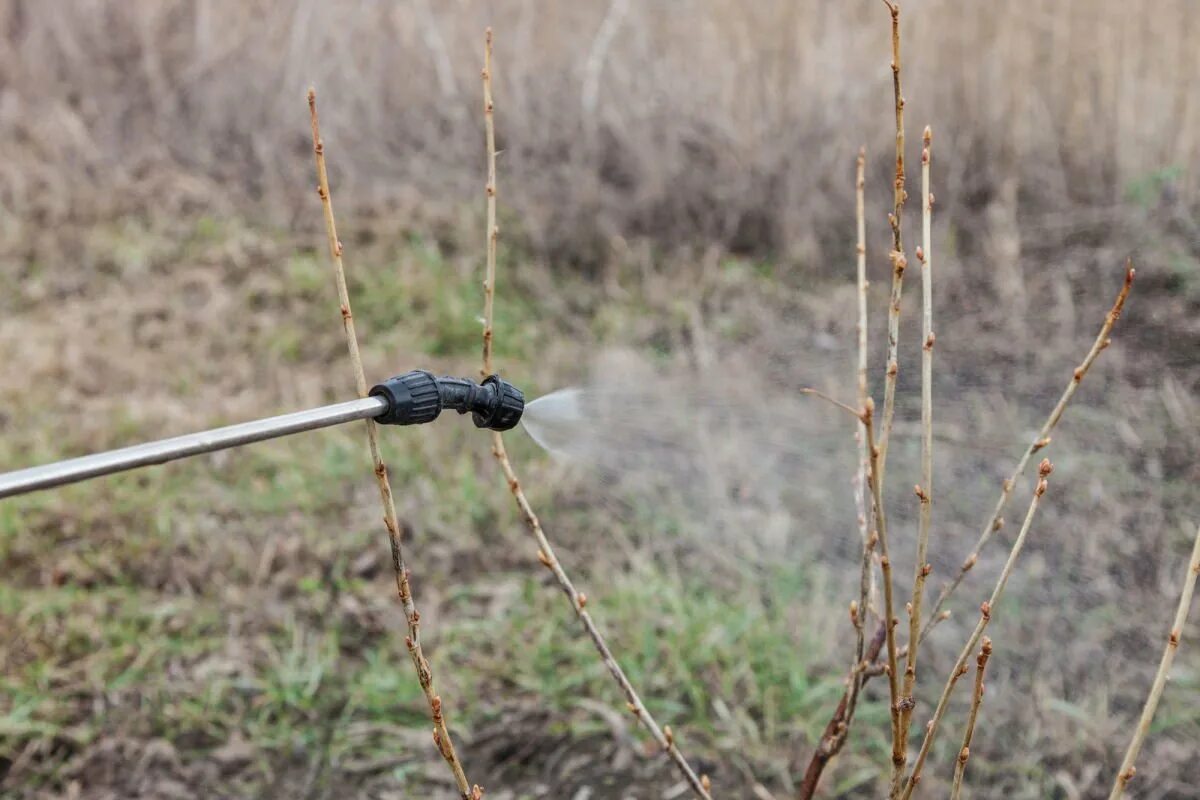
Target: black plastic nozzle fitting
[[418, 396]]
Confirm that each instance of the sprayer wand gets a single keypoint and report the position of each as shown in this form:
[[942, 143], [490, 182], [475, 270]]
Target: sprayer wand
[[413, 398]]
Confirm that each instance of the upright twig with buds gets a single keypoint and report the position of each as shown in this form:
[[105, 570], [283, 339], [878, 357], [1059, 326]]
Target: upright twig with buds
[[838, 727], [1040, 441], [441, 732], [861, 502], [985, 616], [964, 752], [885, 562], [925, 489], [1128, 770], [664, 736], [896, 257]]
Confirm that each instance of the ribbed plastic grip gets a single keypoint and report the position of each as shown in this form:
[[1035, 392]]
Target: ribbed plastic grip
[[413, 398]]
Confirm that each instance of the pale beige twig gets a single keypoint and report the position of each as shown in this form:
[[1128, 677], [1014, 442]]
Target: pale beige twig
[[1128, 770], [493, 230], [985, 616], [838, 728], [441, 731], [833, 401], [925, 489], [861, 501], [1040, 441], [964, 752], [664, 736]]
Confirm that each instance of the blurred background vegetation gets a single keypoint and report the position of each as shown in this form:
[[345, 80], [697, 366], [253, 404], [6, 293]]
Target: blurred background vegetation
[[676, 194]]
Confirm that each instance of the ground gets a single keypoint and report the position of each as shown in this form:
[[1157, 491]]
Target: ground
[[228, 625]]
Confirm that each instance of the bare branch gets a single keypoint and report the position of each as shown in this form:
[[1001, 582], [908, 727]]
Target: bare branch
[[925, 489], [1128, 770], [985, 616], [665, 738], [1040, 441], [964, 752], [441, 731]]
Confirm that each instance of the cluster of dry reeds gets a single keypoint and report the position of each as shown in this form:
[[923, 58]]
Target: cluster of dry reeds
[[879, 646]]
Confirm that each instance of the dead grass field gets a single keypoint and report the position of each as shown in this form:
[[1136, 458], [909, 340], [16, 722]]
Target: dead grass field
[[226, 626]]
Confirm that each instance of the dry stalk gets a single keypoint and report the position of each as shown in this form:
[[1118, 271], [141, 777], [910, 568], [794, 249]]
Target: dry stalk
[[925, 489], [878, 453], [1128, 770], [885, 563], [838, 727], [985, 616], [665, 738], [860, 480], [836, 730], [960, 766], [896, 257], [489, 281], [441, 731], [1040, 441]]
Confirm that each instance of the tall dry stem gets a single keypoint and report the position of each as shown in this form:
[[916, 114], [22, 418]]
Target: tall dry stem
[[896, 257], [1040, 441], [838, 727], [861, 501], [1128, 770], [441, 731], [925, 489], [985, 616], [664, 736], [885, 563], [964, 752]]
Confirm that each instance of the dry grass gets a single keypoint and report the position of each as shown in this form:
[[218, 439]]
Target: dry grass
[[702, 119], [759, 119]]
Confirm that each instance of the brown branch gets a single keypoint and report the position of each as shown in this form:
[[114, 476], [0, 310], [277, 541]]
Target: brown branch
[[662, 735], [925, 490], [985, 616], [964, 752], [885, 563], [838, 728], [821, 395], [879, 452], [1040, 441], [441, 732], [1128, 770], [896, 257]]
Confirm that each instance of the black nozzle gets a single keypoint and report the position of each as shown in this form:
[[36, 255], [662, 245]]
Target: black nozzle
[[418, 396]]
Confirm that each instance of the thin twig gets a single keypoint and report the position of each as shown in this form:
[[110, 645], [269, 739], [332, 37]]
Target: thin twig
[[833, 738], [896, 257], [985, 616], [1040, 441], [493, 234], [925, 489], [662, 735], [1128, 770], [964, 752], [861, 502], [441, 731], [837, 729], [885, 563], [843, 406], [879, 452]]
